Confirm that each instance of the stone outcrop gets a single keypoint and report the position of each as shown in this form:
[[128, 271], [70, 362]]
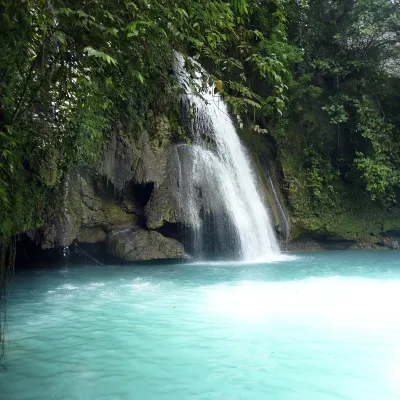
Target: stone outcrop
[[121, 202], [91, 212], [141, 157], [162, 206]]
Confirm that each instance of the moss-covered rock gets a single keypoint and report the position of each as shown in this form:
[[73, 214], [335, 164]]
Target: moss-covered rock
[[91, 234], [334, 209]]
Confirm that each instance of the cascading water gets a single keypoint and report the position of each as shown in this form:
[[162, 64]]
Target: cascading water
[[218, 191]]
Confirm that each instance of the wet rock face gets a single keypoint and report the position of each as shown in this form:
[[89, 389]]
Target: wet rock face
[[140, 245], [145, 158], [119, 156], [140, 157], [92, 212], [162, 206]]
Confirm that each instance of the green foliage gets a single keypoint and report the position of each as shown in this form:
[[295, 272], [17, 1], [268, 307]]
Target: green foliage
[[379, 166], [337, 109], [343, 97], [321, 177]]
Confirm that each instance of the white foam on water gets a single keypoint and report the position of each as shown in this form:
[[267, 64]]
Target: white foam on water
[[337, 301], [67, 287], [272, 259], [144, 285]]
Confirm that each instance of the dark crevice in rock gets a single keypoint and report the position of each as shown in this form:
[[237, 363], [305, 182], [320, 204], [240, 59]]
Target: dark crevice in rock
[[90, 253], [391, 233], [30, 252], [143, 192], [312, 242], [31, 255], [172, 230]]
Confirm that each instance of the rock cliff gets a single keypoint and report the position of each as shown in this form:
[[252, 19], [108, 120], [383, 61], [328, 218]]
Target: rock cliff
[[127, 204]]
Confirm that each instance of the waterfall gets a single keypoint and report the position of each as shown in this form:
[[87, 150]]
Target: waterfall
[[218, 197]]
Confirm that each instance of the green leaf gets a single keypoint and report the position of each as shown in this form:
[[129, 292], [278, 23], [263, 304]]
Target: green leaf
[[139, 76], [182, 12], [133, 33], [99, 54]]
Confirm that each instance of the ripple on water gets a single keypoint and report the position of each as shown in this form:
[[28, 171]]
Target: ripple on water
[[67, 286]]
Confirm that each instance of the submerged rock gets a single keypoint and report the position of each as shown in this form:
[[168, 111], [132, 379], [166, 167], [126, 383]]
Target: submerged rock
[[140, 245]]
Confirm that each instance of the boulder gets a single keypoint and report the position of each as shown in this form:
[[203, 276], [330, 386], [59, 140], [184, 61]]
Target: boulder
[[139, 245]]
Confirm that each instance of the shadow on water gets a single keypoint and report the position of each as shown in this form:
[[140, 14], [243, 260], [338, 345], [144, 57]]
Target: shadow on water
[[292, 267]]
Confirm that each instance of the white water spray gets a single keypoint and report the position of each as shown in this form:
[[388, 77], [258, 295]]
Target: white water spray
[[219, 179]]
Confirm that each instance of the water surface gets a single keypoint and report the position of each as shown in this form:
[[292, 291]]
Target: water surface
[[322, 326]]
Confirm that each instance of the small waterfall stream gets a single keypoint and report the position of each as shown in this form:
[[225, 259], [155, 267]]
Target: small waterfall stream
[[65, 221], [284, 221], [219, 198]]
